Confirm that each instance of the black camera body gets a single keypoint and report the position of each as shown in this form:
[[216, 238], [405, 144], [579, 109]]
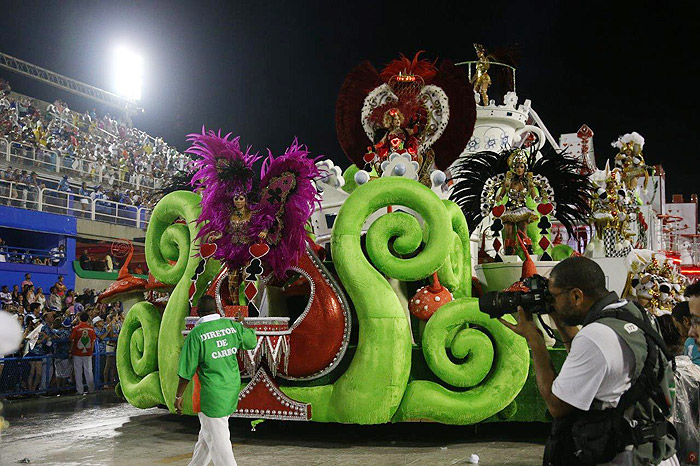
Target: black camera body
[[536, 301]]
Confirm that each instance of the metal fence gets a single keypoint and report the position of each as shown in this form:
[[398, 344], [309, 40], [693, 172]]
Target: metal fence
[[66, 203], [22, 255], [19, 374], [23, 155]]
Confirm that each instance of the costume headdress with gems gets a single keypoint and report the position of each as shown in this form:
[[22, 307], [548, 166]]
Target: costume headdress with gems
[[516, 158]]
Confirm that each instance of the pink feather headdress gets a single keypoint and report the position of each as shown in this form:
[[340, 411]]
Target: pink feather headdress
[[222, 171]]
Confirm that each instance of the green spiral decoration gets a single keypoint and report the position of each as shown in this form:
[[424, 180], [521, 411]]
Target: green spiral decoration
[[166, 242], [487, 364], [455, 274], [371, 389], [492, 365], [137, 356]]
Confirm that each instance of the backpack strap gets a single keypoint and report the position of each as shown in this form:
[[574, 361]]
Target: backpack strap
[[647, 384], [644, 324]]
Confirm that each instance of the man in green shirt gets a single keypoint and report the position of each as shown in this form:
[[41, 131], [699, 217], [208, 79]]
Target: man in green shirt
[[209, 352]]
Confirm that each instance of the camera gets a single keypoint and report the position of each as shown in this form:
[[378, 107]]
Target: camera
[[535, 301]]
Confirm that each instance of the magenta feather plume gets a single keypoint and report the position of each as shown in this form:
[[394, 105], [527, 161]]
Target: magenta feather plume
[[295, 212], [288, 197], [221, 171]]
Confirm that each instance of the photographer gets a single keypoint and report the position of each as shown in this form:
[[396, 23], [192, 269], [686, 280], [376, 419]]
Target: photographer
[[609, 402]]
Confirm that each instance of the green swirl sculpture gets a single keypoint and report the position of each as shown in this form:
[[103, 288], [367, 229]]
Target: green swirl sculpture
[[149, 377], [478, 365], [494, 367]]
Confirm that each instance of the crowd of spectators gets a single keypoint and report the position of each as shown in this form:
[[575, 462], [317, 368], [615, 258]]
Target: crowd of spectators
[[22, 188], [55, 351], [95, 149]]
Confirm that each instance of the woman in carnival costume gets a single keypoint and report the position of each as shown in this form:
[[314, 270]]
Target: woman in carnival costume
[[412, 108], [517, 186], [241, 207], [503, 184]]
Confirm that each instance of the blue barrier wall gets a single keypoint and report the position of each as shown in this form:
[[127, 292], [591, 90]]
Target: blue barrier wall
[[37, 230], [33, 220]]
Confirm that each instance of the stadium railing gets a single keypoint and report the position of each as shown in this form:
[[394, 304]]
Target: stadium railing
[[14, 371], [21, 195], [22, 255]]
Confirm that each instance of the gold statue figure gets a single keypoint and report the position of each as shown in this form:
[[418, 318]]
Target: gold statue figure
[[481, 80]]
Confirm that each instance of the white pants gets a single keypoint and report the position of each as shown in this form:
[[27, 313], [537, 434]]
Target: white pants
[[214, 443], [83, 365]]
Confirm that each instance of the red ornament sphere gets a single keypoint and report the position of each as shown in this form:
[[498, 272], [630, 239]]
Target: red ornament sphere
[[427, 300]]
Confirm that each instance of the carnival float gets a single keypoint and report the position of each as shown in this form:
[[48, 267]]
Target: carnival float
[[362, 284]]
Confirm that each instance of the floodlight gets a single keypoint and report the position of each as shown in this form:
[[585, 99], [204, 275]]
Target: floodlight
[[128, 73]]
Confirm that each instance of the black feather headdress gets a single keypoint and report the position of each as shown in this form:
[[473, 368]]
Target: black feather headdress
[[571, 189]]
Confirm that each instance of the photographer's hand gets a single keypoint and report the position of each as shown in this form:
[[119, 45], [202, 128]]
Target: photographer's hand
[[567, 333], [544, 369], [525, 327]]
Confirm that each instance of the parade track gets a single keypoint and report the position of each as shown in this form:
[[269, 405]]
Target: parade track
[[100, 429]]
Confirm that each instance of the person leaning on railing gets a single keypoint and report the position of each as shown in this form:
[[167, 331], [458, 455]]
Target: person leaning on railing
[[34, 188], [61, 351]]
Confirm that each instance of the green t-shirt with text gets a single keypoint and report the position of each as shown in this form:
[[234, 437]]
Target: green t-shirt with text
[[210, 351]]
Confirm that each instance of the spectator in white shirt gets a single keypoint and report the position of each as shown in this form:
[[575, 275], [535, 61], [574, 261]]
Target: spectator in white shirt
[[57, 255], [5, 297]]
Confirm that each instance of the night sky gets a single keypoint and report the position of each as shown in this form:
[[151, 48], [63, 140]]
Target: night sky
[[270, 71]]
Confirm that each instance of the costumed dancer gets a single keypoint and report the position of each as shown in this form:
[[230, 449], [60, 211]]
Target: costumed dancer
[[619, 222], [488, 183], [411, 109], [658, 286], [517, 186], [209, 352], [243, 210], [630, 159], [630, 164], [608, 215]]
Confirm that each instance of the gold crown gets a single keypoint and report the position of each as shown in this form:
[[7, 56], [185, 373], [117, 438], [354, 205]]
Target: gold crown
[[516, 157]]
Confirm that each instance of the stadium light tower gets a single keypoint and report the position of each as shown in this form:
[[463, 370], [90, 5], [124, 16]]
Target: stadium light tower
[[128, 73]]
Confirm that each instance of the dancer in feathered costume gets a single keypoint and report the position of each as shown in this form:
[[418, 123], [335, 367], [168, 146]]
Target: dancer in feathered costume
[[504, 184], [411, 107], [241, 208]]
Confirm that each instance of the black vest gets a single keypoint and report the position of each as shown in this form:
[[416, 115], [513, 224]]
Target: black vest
[[640, 419]]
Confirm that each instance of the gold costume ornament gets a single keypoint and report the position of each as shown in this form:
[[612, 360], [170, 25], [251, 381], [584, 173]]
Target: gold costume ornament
[[657, 286], [630, 159], [481, 79], [517, 186]]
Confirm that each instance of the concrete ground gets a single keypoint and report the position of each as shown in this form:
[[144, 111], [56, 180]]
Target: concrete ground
[[100, 429]]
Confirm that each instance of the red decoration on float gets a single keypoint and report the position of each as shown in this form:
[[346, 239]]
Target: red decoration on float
[[545, 209], [497, 244], [321, 334], [273, 344], [258, 250], [498, 210], [207, 250], [429, 299], [262, 398], [250, 290]]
